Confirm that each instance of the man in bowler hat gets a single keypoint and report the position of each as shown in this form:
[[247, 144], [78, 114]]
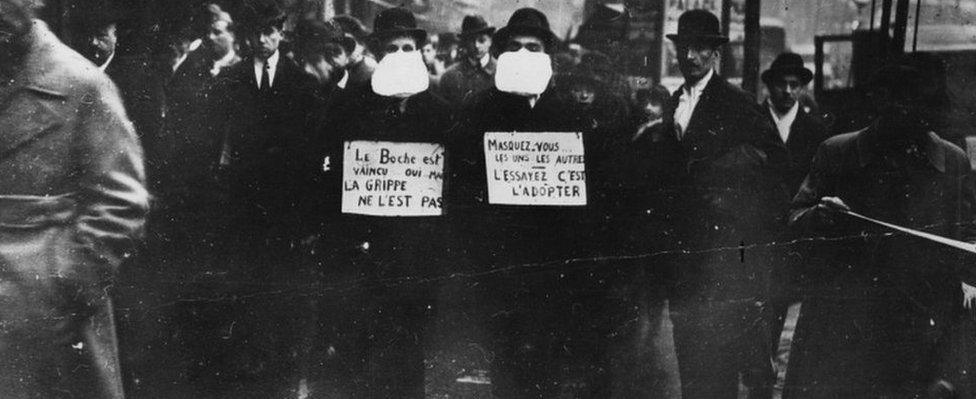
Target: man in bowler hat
[[720, 194], [476, 71], [801, 132]]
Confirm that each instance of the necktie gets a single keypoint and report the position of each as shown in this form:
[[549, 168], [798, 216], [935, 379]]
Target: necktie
[[265, 80]]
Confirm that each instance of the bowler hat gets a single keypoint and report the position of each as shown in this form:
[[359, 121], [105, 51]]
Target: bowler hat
[[475, 25], [787, 64], [698, 26], [397, 21], [525, 21]]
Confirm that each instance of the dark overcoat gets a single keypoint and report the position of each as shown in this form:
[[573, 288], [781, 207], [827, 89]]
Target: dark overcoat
[[877, 304], [72, 206]]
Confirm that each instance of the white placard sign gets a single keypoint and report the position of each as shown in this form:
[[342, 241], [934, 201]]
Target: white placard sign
[[392, 179], [535, 168]]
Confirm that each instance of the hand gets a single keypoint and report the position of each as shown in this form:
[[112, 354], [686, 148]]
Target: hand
[[968, 296], [833, 204]]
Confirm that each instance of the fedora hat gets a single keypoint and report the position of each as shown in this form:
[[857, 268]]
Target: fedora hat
[[525, 21], [473, 25], [397, 21], [787, 64], [698, 26]]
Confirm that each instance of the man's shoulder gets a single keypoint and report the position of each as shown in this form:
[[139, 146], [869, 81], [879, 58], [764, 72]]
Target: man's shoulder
[[843, 140], [55, 67]]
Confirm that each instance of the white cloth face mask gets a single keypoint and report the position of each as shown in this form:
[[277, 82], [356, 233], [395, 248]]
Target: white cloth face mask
[[523, 72], [400, 74]]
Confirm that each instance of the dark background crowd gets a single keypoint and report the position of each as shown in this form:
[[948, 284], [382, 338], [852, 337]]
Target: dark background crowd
[[710, 214]]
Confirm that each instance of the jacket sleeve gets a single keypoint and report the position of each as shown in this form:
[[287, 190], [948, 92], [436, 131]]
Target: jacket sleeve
[[112, 196], [804, 214]]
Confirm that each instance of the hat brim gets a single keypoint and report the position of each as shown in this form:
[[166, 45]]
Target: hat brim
[[711, 39], [502, 35], [803, 73], [483, 31]]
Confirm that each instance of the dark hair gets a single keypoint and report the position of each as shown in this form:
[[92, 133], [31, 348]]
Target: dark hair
[[657, 94], [260, 15]]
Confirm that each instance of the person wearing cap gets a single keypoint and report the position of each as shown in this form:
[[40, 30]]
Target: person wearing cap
[[802, 133], [74, 204], [719, 166], [476, 71], [878, 308], [373, 330]]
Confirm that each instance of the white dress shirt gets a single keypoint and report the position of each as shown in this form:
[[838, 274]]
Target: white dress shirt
[[272, 65], [784, 122], [688, 101], [104, 65]]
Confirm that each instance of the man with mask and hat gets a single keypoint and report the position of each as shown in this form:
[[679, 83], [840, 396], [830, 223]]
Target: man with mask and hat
[[719, 198], [382, 241], [802, 133], [546, 316], [476, 71], [73, 204], [879, 306]]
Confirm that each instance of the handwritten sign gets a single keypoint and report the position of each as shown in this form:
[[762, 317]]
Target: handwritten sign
[[535, 168], [392, 179]]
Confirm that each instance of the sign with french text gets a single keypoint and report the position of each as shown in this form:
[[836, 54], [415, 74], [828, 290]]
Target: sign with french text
[[546, 169], [392, 179]]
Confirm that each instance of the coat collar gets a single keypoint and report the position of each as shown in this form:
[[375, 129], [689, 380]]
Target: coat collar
[[935, 152], [36, 72]]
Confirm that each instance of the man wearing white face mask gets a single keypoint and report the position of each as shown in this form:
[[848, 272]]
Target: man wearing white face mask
[[374, 332], [542, 313]]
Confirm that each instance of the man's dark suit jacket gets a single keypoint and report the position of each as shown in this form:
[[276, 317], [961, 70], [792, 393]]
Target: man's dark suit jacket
[[263, 134], [806, 134], [721, 184]]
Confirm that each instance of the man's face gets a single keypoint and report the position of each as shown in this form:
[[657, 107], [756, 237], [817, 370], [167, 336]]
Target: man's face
[[530, 43], [784, 92], [583, 94], [696, 59], [102, 43], [430, 55], [477, 46], [220, 38], [652, 110], [404, 44], [266, 41]]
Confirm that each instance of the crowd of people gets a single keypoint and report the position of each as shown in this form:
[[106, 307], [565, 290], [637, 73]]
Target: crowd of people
[[257, 277]]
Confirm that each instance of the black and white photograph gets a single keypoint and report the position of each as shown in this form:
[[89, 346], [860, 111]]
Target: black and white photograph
[[487, 199]]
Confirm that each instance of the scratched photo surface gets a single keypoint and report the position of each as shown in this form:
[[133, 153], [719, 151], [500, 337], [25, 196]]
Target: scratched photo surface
[[483, 199]]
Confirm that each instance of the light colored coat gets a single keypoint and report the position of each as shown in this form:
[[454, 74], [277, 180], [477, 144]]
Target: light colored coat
[[72, 205]]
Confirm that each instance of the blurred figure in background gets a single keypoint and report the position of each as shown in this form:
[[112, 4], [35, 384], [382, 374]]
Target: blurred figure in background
[[361, 62], [475, 71], [649, 110]]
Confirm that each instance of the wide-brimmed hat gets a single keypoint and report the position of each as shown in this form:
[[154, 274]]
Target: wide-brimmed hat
[[698, 26], [787, 64], [525, 21], [473, 25], [397, 21]]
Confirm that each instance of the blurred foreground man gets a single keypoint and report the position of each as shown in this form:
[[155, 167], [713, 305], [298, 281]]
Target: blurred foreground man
[[73, 204], [874, 322], [722, 198]]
